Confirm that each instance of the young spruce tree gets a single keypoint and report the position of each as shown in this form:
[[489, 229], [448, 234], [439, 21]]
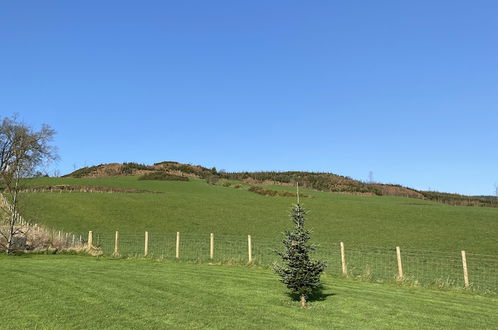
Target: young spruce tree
[[299, 272]]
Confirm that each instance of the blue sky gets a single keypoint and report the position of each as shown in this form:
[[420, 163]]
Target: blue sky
[[405, 89]]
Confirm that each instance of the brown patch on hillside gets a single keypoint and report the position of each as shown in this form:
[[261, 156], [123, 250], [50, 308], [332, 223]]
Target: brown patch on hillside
[[93, 189], [134, 169], [106, 170], [355, 193], [180, 173], [393, 190], [271, 182]]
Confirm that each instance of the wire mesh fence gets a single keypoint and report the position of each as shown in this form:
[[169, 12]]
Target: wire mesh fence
[[380, 264]]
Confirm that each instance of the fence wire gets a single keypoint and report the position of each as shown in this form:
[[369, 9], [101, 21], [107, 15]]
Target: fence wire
[[379, 264]]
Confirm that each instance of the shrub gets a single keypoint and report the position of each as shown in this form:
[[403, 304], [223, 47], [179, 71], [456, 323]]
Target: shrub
[[226, 184], [167, 162], [212, 179], [269, 192], [128, 168], [165, 176]]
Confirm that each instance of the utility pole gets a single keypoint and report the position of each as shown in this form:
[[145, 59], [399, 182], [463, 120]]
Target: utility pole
[[370, 177], [496, 191]]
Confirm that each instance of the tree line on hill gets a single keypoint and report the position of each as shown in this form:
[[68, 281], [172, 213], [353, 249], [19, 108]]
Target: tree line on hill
[[328, 182]]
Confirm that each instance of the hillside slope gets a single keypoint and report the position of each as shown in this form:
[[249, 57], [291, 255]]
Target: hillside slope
[[196, 207], [317, 181]]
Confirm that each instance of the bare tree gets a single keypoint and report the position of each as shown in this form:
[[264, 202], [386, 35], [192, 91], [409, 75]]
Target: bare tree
[[22, 151]]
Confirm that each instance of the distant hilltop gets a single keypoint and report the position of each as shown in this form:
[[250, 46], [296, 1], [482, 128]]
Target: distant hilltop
[[320, 181]]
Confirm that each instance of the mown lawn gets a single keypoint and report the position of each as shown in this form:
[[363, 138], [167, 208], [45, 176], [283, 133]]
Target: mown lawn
[[64, 291], [199, 208]]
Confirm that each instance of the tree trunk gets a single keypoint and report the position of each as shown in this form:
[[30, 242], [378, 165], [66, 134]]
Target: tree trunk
[[8, 249], [10, 237], [13, 216], [303, 301]]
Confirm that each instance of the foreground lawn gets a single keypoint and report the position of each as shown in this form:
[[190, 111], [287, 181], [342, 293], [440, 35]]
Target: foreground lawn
[[57, 291]]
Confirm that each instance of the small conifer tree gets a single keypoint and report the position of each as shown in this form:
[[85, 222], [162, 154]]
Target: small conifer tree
[[299, 272]]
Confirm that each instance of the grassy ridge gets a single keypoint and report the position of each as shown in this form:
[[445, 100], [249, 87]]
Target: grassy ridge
[[195, 207], [76, 291], [320, 181]]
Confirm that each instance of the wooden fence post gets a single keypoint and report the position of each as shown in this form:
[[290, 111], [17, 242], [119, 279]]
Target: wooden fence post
[[177, 245], [90, 239], [400, 266], [249, 247], [211, 247], [465, 271], [343, 260], [73, 241], [116, 243], [146, 244]]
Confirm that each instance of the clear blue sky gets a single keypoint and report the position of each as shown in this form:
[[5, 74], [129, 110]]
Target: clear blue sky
[[405, 89]]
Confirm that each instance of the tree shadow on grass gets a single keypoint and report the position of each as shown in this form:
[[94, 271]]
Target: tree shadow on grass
[[317, 294]]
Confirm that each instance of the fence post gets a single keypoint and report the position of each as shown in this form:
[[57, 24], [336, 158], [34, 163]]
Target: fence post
[[211, 247], [465, 271], [343, 260], [177, 245], [90, 239], [146, 244], [116, 242], [249, 247], [73, 241], [400, 266]]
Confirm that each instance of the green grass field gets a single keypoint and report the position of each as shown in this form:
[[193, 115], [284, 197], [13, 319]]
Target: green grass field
[[62, 291], [430, 235], [196, 207]]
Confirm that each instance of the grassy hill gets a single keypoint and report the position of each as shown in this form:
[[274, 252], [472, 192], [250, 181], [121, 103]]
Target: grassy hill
[[55, 292], [371, 226], [320, 181], [196, 207]]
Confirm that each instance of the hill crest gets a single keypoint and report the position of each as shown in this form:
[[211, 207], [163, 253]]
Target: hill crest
[[320, 181]]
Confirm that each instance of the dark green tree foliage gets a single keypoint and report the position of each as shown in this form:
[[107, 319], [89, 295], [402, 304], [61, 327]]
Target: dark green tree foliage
[[299, 272], [158, 175]]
